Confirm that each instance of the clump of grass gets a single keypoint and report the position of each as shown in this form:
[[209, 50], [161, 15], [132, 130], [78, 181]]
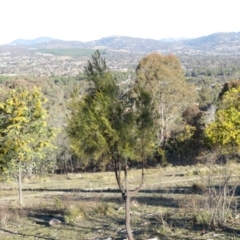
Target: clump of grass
[[202, 217], [9, 215], [164, 219], [58, 204], [74, 214], [104, 209]]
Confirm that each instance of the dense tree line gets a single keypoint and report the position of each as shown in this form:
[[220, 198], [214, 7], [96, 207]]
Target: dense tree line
[[103, 120], [184, 108]]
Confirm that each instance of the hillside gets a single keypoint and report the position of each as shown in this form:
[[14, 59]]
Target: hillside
[[32, 42], [217, 43]]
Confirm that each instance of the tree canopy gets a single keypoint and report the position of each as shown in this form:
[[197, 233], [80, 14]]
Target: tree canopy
[[163, 77], [224, 131], [24, 134], [96, 67], [111, 128]]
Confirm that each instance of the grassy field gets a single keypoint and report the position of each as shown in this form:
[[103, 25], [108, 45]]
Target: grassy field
[[90, 206]]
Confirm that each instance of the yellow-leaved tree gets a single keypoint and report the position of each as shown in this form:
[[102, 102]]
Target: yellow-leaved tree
[[224, 131], [24, 134]]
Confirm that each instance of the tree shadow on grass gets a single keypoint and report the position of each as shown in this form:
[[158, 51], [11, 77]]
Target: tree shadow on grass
[[157, 201], [43, 216], [144, 197], [176, 223], [154, 200], [72, 190], [173, 190], [108, 226], [26, 235]]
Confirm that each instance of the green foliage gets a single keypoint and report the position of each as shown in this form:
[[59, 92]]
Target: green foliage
[[203, 217], [227, 87], [74, 214], [96, 68], [107, 126], [110, 127], [207, 96], [78, 213], [183, 145], [146, 124], [163, 77], [58, 204], [95, 127], [103, 126], [4, 78], [104, 209]]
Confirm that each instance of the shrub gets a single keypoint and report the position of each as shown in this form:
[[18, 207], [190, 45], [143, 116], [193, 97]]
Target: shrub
[[103, 209], [74, 214], [202, 217], [9, 215], [198, 188]]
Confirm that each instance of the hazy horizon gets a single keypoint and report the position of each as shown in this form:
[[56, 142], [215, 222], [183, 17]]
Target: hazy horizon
[[167, 38], [87, 20]]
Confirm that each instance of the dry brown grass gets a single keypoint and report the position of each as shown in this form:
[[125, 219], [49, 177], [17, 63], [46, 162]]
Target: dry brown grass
[[90, 206]]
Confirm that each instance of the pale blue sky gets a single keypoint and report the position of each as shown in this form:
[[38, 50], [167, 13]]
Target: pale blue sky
[[86, 20]]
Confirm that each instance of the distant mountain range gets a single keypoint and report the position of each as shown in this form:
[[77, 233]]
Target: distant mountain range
[[222, 43], [33, 41]]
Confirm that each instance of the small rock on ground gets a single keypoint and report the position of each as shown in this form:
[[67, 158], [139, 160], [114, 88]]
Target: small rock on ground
[[54, 221]]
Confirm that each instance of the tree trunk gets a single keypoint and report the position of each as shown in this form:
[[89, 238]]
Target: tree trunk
[[127, 204], [127, 216], [19, 181], [125, 195], [162, 124]]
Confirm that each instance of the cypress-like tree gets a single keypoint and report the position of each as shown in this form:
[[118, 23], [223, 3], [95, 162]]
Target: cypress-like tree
[[111, 129], [96, 68]]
